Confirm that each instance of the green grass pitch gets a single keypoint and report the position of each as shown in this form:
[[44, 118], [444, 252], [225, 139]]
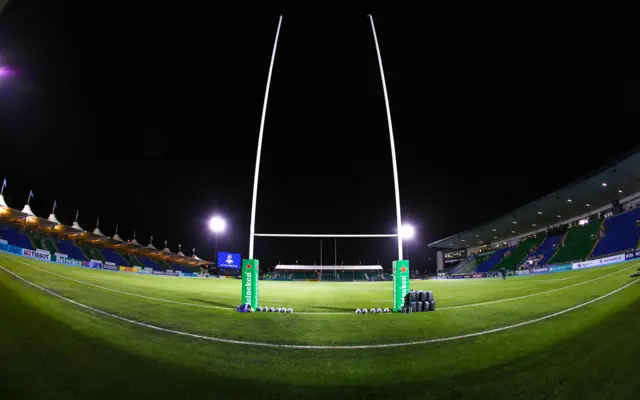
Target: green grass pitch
[[51, 348]]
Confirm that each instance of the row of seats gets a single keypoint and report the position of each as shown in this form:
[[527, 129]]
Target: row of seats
[[43, 242], [621, 233], [67, 247], [148, 263], [15, 237], [517, 255], [20, 238], [467, 266], [114, 257], [490, 262], [547, 249], [578, 243]]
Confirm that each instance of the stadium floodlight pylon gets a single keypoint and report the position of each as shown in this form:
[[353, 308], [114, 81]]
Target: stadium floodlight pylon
[[400, 263]]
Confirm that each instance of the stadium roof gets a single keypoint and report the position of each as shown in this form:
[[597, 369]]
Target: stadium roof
[[28, 220], [593, 193]]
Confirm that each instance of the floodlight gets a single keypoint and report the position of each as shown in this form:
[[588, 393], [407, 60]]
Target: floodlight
[[217, 224], [407, 231]]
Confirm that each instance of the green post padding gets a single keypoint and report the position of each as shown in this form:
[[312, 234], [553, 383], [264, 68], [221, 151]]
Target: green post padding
[[401, 284], [250, 269]]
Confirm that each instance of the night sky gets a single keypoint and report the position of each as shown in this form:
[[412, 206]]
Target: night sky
[[149, 117]]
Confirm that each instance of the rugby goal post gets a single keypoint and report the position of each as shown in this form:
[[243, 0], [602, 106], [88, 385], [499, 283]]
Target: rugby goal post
[[250, 266]]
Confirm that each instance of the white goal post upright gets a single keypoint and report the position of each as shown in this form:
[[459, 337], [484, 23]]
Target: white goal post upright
[[260, 135], [391, 140]]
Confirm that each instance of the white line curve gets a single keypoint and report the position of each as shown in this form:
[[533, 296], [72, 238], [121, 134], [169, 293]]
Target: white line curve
[[315, 312], [310, 347]]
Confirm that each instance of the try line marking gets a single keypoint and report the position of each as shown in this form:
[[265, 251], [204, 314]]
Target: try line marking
[[310, 347]]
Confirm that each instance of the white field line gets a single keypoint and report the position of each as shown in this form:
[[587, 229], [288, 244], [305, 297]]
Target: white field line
[[122, 292], [553, 280], [319, 313], [129, 293], [310, 347], [538, 293]]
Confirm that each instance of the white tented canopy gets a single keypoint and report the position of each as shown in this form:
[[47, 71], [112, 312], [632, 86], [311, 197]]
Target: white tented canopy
[[27, 210], [52, 218], [328, 268]]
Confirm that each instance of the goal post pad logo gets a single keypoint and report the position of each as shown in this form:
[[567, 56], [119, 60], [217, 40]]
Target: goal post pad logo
[[401, 284], [250, 270]]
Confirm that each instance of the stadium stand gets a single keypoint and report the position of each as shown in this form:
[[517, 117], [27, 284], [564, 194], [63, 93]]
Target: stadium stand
[[43, 242], [24, 229], [518, 254], [578, 243], [492, 260], [35, 241], [303, 275], [547, 249], [620, 233], [182, 268], [49, 244], [464, 267], [329, 276], [15, 237], [111, 256], [127, 257], [480, 258], [91, 253], [135, 260], [67, 247], [146, 262]]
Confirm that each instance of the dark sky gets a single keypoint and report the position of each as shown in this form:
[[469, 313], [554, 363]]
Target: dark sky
[[148, 117]]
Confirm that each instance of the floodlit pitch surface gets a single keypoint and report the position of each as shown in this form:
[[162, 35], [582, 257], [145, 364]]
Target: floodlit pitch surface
[[52, 347]]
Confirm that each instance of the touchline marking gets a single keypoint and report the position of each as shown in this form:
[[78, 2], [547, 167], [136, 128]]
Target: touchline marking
[[120, 291], [535, 294], [132, 294], [309, 347], [321, 313]]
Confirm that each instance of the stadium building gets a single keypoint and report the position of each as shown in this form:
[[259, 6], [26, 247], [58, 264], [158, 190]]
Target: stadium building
[[51, 240], [595, 217]]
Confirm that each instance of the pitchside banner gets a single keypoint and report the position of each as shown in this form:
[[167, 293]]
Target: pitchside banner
[[11, 249], [598, 262], [37, 254], [110, 266], [250, 270], [400, 283]]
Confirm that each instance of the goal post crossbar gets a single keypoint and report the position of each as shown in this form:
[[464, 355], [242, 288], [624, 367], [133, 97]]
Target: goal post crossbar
[[325, 235]]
